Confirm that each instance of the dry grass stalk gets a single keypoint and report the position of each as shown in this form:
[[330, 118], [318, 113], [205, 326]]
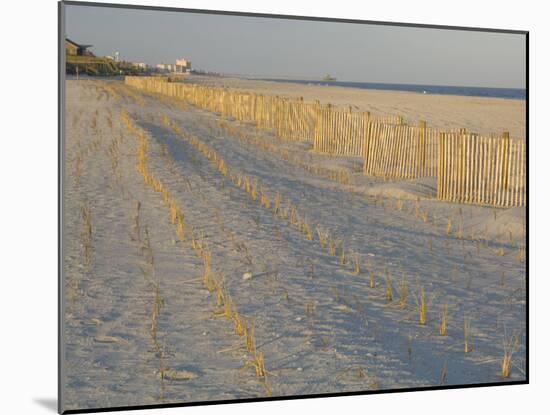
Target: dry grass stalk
[[310, 308], [306, 230], [250, 339], [158, 304], [264, 200], [443, 376], [180, 227], [357, 262], [510, 345], [254, 189], [86, 236], [467, 325], [294, 218], [227, 310], [173, 213], [323, 237], [389, 286], [443, 315], [207, 273], [422, 307], [277, 204], [449, 226], [332, 246], [146, 250], [372, 279], [240, 324], [137, 221], [343, 257], [219, 294], [259, 364], [403, 290]]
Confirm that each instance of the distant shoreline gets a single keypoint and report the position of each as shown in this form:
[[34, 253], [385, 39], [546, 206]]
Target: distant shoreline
[[506, 93], [464, 91]]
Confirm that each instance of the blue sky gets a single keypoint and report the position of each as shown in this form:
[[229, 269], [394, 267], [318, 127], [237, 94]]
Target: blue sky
[[303, 49]]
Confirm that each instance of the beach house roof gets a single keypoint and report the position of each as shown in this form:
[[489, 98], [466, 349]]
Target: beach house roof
[[73, 48]]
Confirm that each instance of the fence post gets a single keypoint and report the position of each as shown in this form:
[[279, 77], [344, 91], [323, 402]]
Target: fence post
[[366, 145], [440, 167], [506, 169], [422, 146]]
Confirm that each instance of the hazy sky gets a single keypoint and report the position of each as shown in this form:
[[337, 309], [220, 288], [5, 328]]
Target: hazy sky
[[303, 49]]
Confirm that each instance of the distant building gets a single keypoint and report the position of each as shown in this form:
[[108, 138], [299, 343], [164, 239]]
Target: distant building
[[74, 49], [182, 66], [166, 67], [162, 67], [140, 65]]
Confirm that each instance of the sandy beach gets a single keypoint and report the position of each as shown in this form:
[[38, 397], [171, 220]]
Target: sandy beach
[[142, 328], [478, 114]]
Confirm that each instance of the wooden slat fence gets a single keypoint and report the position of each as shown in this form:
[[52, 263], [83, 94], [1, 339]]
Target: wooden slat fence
[[482, 170], [469, 168], [401, 151], [345, 133], [292, 119]]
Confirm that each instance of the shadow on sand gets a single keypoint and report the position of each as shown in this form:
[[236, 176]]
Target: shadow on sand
[[48, 403]]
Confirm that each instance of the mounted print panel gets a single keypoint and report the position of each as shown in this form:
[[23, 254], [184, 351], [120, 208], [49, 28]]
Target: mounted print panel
[[256, 207]]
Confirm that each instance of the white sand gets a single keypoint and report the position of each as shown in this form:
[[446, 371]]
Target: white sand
[[354, 340]]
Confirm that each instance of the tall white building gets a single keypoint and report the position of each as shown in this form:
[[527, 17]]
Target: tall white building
[[182, 66]]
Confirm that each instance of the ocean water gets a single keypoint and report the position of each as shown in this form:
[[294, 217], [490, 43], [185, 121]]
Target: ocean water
[[510, 93]]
